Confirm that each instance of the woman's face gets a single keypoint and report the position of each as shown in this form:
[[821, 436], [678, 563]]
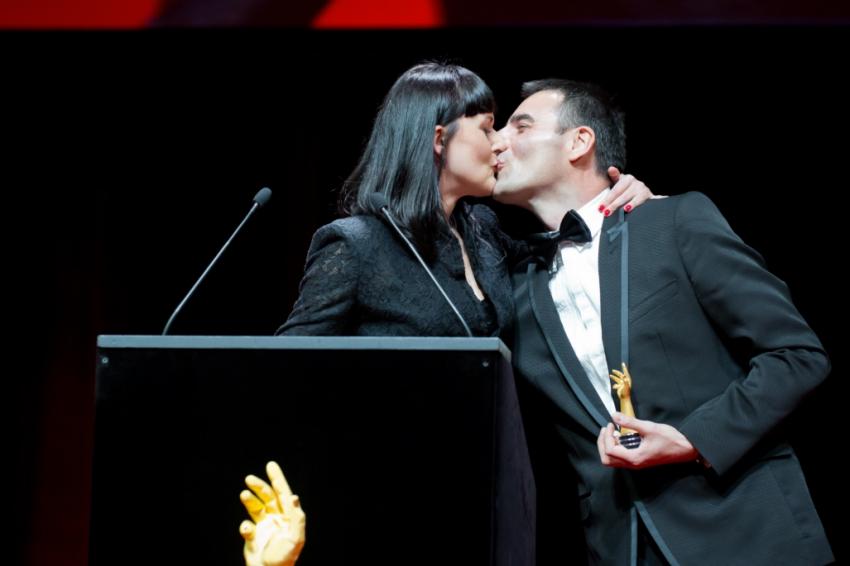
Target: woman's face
[[469, 158]]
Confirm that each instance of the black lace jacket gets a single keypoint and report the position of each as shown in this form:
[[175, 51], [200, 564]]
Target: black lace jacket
[[361, 279]]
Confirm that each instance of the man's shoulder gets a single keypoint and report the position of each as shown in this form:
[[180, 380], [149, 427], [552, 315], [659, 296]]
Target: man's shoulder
[[690, 205], [689, 198]]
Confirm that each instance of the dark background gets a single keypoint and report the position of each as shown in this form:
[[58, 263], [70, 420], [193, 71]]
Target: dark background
[[128, 159]]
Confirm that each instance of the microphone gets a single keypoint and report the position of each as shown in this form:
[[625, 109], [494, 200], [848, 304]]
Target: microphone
[[379, 201], [261, 198]]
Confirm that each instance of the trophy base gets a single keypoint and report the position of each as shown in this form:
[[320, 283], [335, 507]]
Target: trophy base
[[630, 441]]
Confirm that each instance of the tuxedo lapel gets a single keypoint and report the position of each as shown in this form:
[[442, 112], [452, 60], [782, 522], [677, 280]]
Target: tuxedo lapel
[[611, 280], [556, 339]]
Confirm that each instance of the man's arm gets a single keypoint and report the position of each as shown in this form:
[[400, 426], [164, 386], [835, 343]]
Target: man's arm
[[752, 308]]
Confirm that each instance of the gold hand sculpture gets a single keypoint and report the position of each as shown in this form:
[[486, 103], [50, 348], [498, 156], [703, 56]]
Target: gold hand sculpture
[[275, 536], [623, 386]]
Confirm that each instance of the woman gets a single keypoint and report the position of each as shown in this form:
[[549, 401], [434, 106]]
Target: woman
[[432, 145]]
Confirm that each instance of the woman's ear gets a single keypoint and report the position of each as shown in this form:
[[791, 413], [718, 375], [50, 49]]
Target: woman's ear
[[439, 140]]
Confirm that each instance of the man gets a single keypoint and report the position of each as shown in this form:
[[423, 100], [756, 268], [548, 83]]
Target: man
[[718, 354]]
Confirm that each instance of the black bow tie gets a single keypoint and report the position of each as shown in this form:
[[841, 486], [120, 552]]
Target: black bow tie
[[573, 229]]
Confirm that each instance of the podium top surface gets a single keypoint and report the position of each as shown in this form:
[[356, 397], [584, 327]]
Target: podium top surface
[[304, 343]]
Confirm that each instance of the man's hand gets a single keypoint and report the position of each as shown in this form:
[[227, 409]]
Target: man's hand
[[660, 444], [275, 536], [626, 191]]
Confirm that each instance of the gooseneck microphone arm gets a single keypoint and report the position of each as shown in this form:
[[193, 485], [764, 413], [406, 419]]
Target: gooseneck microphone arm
[[261, 198], [379, 201]]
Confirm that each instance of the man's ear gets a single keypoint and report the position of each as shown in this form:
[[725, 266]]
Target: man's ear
[[581, 141], [439, 140]]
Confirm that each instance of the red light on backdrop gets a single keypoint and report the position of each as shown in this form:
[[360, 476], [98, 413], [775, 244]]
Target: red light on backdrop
[[380, 13], [25, 14]]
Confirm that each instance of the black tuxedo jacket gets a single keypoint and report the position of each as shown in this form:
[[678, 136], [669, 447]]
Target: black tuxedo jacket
[[716, 349]]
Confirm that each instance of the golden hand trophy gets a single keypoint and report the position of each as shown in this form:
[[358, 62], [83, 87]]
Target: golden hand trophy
[[275, 534], [623, 386]]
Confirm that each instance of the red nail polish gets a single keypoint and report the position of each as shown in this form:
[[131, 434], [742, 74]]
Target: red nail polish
[[601, 207], [607, 212], [627, 208]]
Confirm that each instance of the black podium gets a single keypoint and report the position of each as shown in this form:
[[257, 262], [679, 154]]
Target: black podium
[[403, 450]]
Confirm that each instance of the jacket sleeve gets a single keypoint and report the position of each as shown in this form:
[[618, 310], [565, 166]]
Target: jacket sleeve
[[752, 308], [328, 291]]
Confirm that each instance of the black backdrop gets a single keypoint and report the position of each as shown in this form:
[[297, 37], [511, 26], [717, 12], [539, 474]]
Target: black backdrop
[[129, 158]]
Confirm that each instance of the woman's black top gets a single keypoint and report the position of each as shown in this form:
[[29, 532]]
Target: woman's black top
[[361, 279]]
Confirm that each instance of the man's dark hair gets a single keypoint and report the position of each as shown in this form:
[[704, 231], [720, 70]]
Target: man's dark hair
[[589, 105]]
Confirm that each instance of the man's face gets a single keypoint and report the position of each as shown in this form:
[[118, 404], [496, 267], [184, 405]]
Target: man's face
[[535, 157]]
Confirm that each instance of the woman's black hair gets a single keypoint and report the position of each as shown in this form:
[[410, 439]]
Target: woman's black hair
[[399, 160]]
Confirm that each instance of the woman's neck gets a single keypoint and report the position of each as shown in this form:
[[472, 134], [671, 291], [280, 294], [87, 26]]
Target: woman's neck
[[449, 202]]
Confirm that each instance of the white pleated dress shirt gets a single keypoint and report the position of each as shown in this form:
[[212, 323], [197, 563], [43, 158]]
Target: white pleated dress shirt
[[574, 284]]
